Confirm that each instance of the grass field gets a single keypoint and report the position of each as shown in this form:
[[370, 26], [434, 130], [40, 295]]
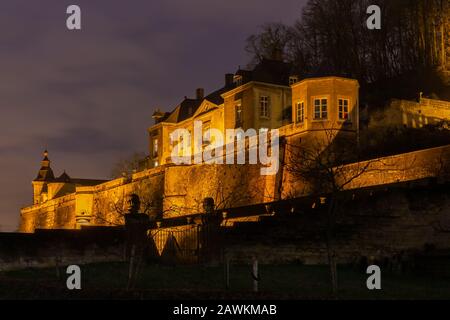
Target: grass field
[[109, 280]]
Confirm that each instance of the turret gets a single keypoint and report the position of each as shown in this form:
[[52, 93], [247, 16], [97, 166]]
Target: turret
[[45, 175]]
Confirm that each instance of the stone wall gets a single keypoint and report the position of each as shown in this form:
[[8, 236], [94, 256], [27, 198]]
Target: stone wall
[[57, 213], [411, 114], [103, 204], [380, 225], [169, 191], [434, 162], [229, 185]]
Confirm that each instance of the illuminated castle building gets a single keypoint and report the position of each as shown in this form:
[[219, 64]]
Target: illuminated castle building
[[267, 97]]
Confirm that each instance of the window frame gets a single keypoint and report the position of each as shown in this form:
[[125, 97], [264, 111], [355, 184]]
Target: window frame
[[155, 147], [238, 114], [264, 104], [297, 108], [293, 80], [321, 106], [206, 126], [343, 119]]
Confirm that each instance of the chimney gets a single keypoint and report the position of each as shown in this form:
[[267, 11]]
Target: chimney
[[229, 80], [200, 93]]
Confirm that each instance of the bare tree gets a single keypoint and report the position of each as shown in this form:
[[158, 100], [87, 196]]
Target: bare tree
[[331, 36], [271, 43], [323, 165], [109, 210]]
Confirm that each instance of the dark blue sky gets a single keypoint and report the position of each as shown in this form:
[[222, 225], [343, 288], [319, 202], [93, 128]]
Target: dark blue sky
[[88, 95]]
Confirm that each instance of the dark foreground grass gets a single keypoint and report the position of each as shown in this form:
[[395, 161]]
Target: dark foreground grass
[[109, 280]]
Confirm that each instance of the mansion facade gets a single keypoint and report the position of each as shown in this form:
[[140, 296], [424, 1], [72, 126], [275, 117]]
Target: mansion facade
[[267, 97]]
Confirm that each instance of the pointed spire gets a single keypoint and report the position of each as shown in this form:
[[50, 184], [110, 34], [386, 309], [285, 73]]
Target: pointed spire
[[45, 173], [45, 161]]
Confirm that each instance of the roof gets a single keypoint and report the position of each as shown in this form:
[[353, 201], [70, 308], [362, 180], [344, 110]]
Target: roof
[[184, 110], [268, 71], [45, 174], [160, 116], [216, 96], [64, 177]]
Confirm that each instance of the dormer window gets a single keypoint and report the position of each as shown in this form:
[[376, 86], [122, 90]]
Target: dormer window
[[237, 80], [293, 80]]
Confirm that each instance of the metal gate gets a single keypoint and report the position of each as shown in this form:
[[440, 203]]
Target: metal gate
[[177, 244]]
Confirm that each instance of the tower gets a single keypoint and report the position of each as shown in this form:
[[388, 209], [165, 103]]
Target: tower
[[45, 175]]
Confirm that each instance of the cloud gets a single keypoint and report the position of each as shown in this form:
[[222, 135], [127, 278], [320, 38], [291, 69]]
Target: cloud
[[86, 140]]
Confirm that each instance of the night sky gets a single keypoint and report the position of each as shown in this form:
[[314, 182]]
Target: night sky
[[88, 95]]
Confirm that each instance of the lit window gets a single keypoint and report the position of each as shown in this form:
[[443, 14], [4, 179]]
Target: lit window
[[207, 132], [300, 115], [264, 107], [155, 147], [238, 116], [320, 109], [343, 109], [181, 146]]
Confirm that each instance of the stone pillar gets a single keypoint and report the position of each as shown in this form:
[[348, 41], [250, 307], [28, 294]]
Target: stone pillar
[[210, 240], [136, 226]]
